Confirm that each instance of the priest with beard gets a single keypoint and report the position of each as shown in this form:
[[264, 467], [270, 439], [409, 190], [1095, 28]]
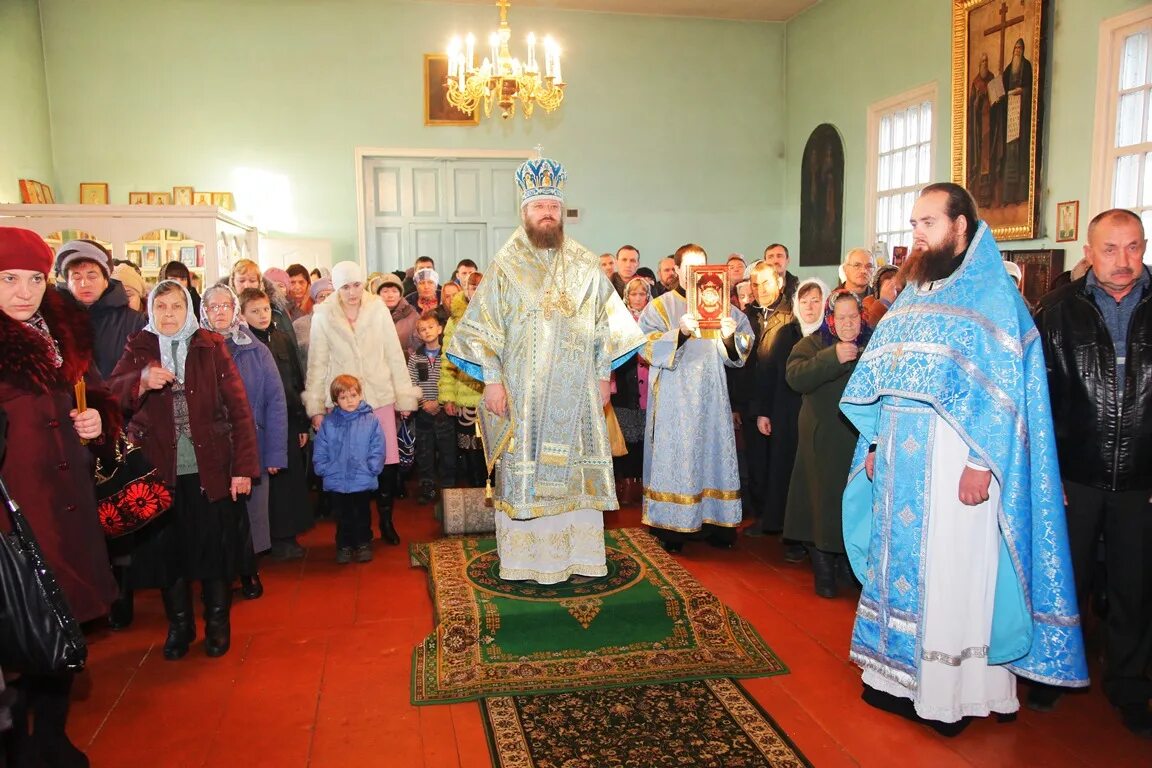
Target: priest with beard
[[953, 516], [543, 332]]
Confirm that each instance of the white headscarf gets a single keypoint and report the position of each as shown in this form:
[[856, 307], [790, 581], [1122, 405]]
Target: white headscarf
[[236, 331], [174, 348], [807, 328]]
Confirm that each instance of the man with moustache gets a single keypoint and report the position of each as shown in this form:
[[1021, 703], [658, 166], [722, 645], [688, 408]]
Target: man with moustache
[[667, 277], [953, 518], [777, 256], [544, 331], [1096, 333]]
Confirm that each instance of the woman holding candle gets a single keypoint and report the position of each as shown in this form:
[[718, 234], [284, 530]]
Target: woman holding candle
[[47, 343]]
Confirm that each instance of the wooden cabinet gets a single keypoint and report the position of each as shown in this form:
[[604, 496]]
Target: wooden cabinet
[[207, 239]]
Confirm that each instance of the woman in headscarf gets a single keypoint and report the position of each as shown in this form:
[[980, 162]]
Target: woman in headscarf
[[47, 345], [220, 312], [190, 415], [818, 369], [353, 333], [780, 404], [461, 395], [886, 286], [630, 402]]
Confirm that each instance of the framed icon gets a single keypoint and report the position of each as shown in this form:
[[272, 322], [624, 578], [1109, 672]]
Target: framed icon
[[1067, 221], [137, 198], [709, 297], [93, 193], [160, 198], [201, 198], [182, 195]]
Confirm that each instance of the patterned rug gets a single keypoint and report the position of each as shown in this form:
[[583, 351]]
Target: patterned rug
[[704, 723], [647, 621]]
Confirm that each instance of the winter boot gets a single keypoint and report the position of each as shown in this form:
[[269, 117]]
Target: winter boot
[[217, 617], [181, 624]]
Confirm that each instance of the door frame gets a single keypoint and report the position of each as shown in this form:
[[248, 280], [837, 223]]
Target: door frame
[[407, 153]]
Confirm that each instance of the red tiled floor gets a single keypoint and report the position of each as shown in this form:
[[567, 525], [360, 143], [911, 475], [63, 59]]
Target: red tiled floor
[[318, 676]]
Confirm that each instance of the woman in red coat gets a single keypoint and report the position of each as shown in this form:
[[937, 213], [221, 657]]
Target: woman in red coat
[[47, 348], [191, 417]]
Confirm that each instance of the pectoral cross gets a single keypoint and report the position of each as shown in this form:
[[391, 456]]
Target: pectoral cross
[[1002, 28], [897, 356]]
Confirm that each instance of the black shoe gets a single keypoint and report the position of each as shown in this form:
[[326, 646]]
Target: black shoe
[[121, 613], [364, 553], [824, 573], [251, 588], [427, 495], [795, 552], [1137, 719], [217, 617], [284, 550], [181, 624], [673, 547], [343, 555], [1043, 698], [720, 542]]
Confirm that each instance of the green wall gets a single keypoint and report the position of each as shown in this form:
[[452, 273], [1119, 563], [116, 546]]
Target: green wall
[[25, 134], [844, 55], [671, 128]]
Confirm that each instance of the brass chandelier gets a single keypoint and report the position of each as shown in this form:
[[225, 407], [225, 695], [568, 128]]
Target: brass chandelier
[[501, 78]]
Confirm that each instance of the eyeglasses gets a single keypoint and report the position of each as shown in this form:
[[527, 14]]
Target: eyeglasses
[[218, 307]]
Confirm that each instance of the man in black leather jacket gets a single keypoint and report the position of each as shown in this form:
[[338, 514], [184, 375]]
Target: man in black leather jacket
[[1097, 336]]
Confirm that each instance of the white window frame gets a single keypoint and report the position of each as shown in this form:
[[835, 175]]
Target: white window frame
[[926, 92], [1104, 150]]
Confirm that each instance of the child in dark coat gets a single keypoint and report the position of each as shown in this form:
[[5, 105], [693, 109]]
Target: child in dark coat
[[349, 455], [435, 429]]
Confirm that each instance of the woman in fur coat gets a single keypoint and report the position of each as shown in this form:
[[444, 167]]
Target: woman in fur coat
[[47, 347]]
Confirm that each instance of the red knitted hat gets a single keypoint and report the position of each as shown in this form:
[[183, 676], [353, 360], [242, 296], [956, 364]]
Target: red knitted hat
[[24, 249]]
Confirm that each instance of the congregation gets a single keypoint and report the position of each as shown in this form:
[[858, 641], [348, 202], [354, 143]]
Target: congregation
[[275, 398]]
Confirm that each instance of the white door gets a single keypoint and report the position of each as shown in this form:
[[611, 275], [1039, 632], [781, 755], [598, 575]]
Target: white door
[[445, 209]]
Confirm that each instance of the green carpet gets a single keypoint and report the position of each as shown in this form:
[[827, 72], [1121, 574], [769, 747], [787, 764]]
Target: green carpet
[[647, 621], [702, 723]]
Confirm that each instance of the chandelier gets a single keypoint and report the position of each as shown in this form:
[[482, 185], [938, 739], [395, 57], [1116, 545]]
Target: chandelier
[[501, 78]]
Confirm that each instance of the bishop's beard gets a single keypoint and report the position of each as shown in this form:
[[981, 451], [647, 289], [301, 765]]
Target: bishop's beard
[[545, 238], [929, 265]]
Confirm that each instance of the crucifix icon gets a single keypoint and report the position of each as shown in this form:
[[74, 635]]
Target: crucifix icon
[[1002, 28]]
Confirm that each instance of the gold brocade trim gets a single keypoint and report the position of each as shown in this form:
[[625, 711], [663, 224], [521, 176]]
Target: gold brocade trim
[[689, 499], [560, 507], [645, 520], [663, 312], [554, 577]]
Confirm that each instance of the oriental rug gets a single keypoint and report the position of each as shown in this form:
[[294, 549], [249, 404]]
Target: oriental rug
[[702, 723], [647, 621]]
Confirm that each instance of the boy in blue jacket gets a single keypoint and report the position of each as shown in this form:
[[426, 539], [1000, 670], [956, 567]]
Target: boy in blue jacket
[[349, 455]]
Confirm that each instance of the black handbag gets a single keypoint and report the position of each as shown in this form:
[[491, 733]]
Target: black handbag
[[129, 491], [38, 633]]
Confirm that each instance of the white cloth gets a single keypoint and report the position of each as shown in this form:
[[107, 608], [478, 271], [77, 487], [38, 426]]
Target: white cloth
[[960, 585], [550, 549]]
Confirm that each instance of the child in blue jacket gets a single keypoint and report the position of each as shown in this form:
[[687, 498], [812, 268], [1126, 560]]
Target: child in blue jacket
[[349, 455]]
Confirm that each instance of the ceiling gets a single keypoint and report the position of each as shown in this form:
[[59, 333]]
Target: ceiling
[[746, 10]]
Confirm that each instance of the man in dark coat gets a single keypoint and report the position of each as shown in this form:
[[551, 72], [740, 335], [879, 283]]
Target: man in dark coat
[[1096, 333], [768, 314], [86, 268]]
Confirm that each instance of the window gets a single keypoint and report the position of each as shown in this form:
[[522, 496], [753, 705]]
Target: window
[[900, 162], [1122, 167]]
